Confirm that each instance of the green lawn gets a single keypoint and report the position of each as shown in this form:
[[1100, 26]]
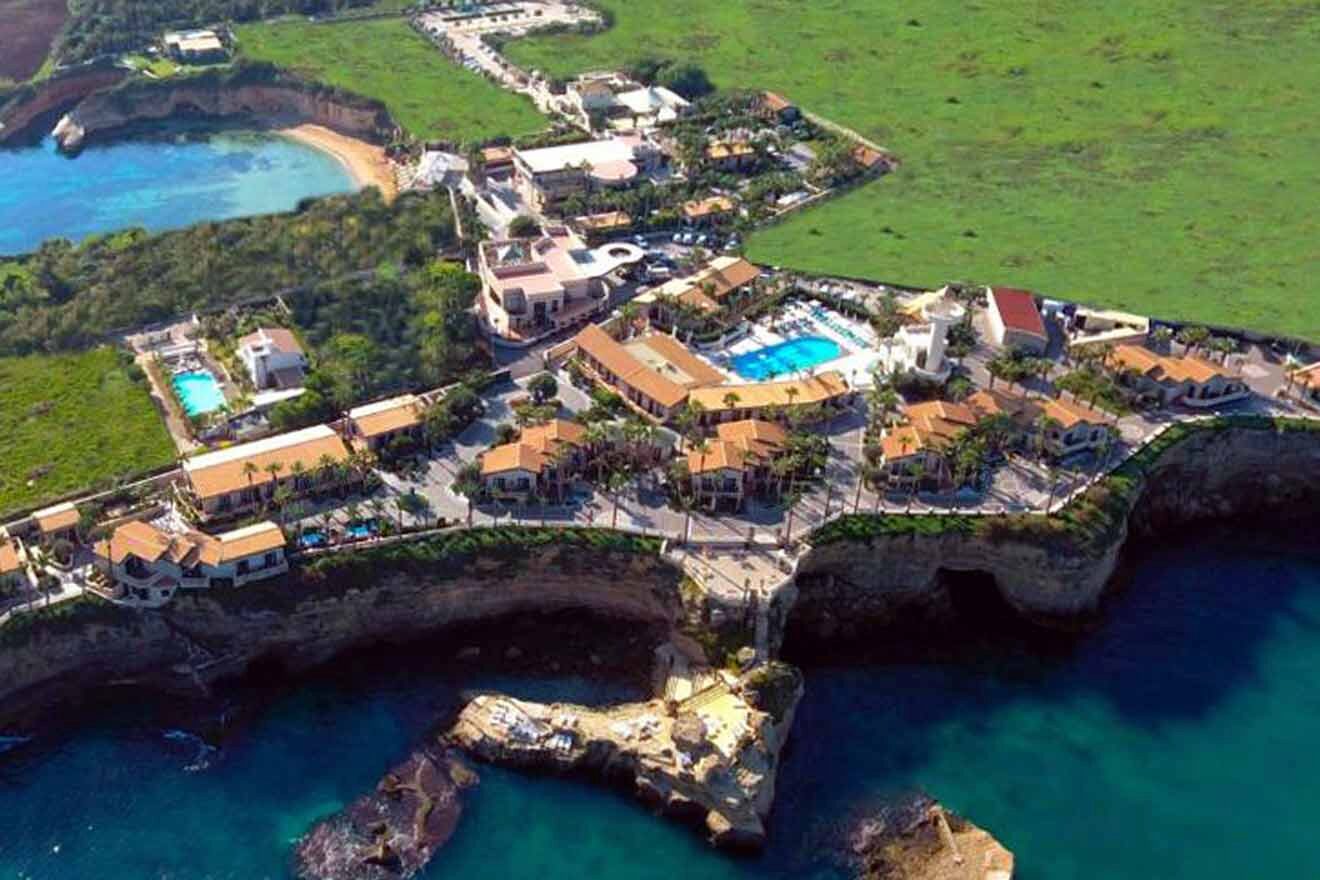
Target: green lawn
[[427, 94], [72, 422], [1156, 155]]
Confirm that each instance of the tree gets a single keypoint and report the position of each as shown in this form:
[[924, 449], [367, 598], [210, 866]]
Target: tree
[[543, 387], [688, 80], [523, 226], [1192, 337]]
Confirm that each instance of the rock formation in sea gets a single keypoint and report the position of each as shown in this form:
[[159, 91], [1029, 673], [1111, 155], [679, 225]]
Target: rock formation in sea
[[918, 839], [394, 831], [711, 757]]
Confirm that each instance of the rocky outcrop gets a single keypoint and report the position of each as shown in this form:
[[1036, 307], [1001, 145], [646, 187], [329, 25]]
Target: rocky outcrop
[[30, 103], [394, 831], [845, 588], [712, 758], [917, 839], [310, 616]]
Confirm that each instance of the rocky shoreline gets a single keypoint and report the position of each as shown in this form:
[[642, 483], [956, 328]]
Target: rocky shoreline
[[846, 589], [711, 758]]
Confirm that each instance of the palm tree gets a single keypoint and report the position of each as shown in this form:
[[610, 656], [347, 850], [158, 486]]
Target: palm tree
[[283, 495], [1192, 337], [1162, 336], [250, 470], [917, 471], [884, 400], [731, 400], [614, 481], [274, 469], [298, 472], [327, 468]]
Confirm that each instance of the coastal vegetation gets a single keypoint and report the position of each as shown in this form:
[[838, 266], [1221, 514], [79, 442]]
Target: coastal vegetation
[[1040, 148], [62, 426], [427, 94], [66, 296]]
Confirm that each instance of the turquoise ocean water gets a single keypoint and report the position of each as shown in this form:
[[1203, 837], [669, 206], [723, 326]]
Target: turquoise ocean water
[[160, 177], [1177, 741]]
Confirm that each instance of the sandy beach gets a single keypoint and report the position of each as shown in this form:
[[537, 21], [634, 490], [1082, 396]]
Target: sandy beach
[[365, 162]]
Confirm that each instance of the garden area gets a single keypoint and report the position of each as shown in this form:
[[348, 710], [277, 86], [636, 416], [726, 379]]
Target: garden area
[[1041, 147], [72, 422], [427, 94]]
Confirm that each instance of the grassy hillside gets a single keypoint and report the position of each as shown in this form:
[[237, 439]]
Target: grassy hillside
[[385, 59], [1158, 156], [73, 422]]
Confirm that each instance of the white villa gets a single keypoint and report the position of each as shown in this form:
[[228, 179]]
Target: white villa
[[620, 103], [273, 358], [549, 175], [919, 348], [148, 565], [1015, 321], [535, 286]]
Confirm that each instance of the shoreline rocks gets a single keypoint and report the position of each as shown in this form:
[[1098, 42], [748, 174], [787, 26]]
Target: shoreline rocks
[[394, 831], [712, 758], [918, 839]]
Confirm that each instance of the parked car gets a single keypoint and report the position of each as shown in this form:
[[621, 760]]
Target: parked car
[[678, 238]]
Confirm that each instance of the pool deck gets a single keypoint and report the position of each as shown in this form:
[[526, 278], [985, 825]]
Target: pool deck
[[797, 322]]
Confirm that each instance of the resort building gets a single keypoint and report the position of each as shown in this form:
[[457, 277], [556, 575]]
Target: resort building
[[654, 374], [195, 47], [649, 106], [730, 155], [1072, 427], [243, 478], [825, 394], [725, 470], [1015, 321], [709, 291], [58, 522], [596, 227], [13, 563], [147, 565], [273, 358], [549, 175], [539, 463], [1189, 380], [919, 348], [379, 426], [1307, 382], [1095, 328], [776, 108], [913, 452], [532, 287], [497, 161], [601, 100], [705, 212]]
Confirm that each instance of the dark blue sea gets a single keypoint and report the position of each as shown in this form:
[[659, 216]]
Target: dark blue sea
[[160, 176], [1177, 740]]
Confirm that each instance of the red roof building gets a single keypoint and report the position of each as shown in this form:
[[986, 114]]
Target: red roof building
[[1015, 322]]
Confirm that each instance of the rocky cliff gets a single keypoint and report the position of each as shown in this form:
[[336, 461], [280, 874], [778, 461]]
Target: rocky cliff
[[106, 111], [310, 616], [1050, 569], [30, 103]]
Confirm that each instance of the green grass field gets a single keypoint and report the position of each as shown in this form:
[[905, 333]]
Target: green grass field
[[72, 422], [1157, 155], [427, 94]]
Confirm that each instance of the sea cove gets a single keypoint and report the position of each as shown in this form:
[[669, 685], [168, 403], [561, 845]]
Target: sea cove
[[1098, 756], [158, 176]]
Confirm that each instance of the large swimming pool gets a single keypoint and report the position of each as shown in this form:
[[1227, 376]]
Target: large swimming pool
[[199, 392], [785, 358]]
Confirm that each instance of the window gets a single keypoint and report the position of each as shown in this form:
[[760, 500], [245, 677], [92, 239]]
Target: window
[[243, 567], [270, 560]]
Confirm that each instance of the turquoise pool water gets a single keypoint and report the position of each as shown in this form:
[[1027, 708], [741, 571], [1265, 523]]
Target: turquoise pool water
[[162, 176], [1177, 741], [785, 358], [199, 392]]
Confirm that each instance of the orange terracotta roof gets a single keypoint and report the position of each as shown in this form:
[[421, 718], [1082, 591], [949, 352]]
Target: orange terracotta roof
[[57, 518], [218, 473], [715, 456], [1308, 377], [150, 544], [497, 155], [1069, 414], [729, 149], [867, 157], [250, 541], [932, 425], [774, 101], [280, 338], [387, 416], [630, 370], [816, 389], [512, 457], [1161, 367], [699, 208], [1017, 310], [605, 221], [549, 436], [9, 561], [758, 438], [987, 402], [698, 372], [900, 442]]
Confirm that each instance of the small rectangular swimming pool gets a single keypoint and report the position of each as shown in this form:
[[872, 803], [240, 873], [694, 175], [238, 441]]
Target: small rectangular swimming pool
[[199, 392], [785, 358]]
